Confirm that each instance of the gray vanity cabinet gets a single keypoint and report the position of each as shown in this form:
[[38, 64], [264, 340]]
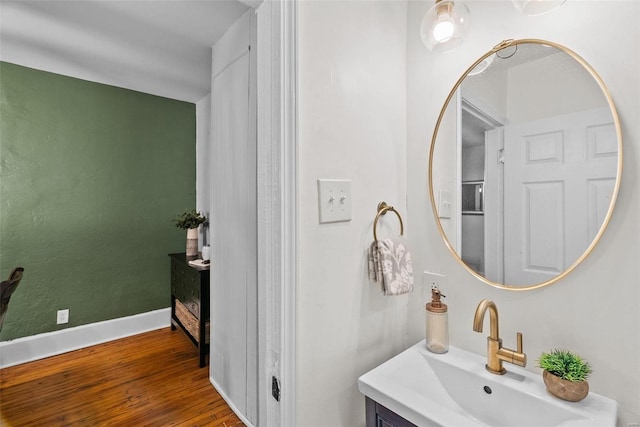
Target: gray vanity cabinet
[[380, 416]]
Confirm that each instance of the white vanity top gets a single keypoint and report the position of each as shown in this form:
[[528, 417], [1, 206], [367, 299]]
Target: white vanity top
[[454, 389]]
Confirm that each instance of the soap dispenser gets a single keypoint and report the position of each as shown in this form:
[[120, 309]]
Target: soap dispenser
[[437, 323]]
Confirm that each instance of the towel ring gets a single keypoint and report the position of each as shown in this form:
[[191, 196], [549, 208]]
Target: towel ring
[[383, 208]]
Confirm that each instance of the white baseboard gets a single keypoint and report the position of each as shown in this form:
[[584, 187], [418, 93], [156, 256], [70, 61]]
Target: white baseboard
[[230, 403], [39, 346]]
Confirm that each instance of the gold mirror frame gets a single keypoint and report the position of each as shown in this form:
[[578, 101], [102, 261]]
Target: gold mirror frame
[[504, 45]]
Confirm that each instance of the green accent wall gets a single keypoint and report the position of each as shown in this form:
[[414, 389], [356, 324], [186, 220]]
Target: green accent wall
[[91, 177]]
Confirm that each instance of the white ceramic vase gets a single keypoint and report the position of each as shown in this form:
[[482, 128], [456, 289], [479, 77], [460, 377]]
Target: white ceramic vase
[[205, 252]]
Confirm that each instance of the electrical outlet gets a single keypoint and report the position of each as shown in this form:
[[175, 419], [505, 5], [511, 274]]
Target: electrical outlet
[[430, 279], [63, 316]]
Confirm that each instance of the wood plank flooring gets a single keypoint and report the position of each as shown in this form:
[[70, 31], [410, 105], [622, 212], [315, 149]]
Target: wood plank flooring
[[151, 379]]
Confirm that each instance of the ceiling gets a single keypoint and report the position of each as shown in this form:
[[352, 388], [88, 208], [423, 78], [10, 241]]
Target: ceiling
[[152, 46], [473, 129]]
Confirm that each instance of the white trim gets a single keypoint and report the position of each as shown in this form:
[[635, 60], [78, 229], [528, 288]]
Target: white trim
[[289, 185], [35, 347], [269, 241], [277, 217], [252, 255], [475, 106], [229, 402], [252, 3]]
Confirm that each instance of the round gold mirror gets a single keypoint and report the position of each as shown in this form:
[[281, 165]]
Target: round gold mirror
[[525, 164]]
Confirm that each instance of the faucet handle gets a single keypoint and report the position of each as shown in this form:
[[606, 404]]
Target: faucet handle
[[519, 338], [520, 357]]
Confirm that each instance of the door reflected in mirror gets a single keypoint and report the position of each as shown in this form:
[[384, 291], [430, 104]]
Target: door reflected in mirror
[[530, 150]]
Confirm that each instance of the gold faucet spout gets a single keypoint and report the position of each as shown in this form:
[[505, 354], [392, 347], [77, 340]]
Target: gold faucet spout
[[496, 354], [478, 318]]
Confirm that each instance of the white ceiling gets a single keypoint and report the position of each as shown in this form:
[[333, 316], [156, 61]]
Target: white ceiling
[[153, 46]]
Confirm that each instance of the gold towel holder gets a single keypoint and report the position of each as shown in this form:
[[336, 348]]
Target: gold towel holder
[[383, 208]]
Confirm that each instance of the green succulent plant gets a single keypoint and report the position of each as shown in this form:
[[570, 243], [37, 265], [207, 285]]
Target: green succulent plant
[[565, 364], [189, 219]]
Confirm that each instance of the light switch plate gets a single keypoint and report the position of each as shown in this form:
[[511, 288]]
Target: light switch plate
[[444, 204], [334, 200]]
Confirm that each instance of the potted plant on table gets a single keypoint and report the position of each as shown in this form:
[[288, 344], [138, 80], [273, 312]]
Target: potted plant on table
[[565, 374], [190, 220]]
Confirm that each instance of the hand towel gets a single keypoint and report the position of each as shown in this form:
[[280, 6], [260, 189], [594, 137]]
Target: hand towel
[[375, 268], [390, 265]]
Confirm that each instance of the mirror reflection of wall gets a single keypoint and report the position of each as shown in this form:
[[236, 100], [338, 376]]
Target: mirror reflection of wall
[[472, 160]]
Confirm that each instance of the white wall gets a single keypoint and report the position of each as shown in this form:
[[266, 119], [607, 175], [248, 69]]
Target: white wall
[[593, 311], [352, 122], [447, 179], [203, 162], [473, 163]]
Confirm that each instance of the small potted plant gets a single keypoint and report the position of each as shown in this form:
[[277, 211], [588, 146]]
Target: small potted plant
[[190, 220], [565, 374]]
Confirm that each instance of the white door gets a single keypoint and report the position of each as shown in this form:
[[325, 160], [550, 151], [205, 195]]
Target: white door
[[234, 336], [559, 175]]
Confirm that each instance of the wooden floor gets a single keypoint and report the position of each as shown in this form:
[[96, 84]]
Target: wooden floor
[[150, 379]]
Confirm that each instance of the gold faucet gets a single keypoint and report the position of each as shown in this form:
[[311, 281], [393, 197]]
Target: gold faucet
[[496, 354]]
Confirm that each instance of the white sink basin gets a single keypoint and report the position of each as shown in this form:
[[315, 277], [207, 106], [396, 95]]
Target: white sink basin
[[454, 389]]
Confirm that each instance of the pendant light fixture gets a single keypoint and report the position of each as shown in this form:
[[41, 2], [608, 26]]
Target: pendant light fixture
[[444, 26], [537, 7]]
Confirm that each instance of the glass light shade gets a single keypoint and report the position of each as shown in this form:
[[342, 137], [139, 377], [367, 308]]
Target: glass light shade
[[483, 65], [444, 26], [537, 7]]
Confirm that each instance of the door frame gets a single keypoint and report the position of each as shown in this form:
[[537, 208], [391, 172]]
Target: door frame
[[277, 210]]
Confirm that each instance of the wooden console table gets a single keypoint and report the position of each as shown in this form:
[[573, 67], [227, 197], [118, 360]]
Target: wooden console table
[[190, 302]]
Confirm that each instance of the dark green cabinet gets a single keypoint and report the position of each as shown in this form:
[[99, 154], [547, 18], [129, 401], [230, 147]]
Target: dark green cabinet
[[190, 302]]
